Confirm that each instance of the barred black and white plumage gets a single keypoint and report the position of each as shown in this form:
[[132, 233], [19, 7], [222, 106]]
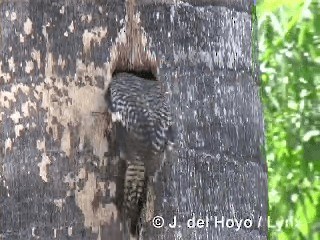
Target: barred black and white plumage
[[143, 128]]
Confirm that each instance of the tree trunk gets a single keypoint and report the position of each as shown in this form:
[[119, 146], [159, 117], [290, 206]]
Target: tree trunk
[[57, 59], [215, 185]]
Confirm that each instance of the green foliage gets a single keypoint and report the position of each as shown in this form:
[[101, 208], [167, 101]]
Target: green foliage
[[289, 51]]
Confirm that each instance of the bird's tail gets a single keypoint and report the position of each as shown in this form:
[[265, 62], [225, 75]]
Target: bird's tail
[[134, 194]]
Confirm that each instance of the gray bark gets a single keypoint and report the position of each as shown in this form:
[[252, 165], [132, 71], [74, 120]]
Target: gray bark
[[56, 60]]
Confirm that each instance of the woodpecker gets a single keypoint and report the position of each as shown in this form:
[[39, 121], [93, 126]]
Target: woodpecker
[[143, 130]]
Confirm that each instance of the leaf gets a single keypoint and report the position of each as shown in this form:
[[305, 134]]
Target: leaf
[[310, 134], [274, 5]]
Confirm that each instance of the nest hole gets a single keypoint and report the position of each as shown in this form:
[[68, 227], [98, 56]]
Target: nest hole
[[145, 74]]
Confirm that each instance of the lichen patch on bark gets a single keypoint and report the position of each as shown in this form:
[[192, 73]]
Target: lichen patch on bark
[[98, 215], [43, 167], [27, 26], [93, 36]]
